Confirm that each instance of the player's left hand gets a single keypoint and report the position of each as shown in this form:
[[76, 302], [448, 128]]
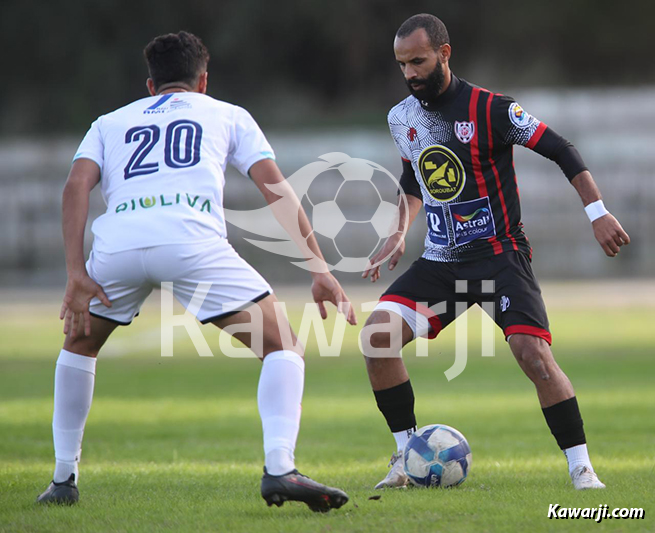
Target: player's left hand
[[326, 288], [392, 249], [80, 290], [609, 234]]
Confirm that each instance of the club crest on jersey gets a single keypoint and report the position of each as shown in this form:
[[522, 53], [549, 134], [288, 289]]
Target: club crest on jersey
[[411, 134], [464, 131], [519, 117], [442, 173]]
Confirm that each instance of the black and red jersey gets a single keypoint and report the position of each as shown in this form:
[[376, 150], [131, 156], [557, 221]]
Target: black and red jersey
[[460, 150]]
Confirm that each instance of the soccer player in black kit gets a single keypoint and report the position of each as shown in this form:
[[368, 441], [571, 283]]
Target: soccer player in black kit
[[456, 142]]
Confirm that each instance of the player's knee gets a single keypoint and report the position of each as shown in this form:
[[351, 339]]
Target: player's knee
[[371, 341], [380, 340], [373, 338], [82, 346], [277, 345], [535, 363], [534, 356]]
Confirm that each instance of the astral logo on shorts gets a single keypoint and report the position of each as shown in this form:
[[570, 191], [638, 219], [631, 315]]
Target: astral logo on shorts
[[437, 230], [472, 220]]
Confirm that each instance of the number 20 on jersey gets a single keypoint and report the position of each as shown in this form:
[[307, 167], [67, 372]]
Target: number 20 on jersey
[[181, 147]]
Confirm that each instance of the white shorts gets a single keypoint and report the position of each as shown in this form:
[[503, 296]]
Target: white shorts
[[417, 322], [129, 277]]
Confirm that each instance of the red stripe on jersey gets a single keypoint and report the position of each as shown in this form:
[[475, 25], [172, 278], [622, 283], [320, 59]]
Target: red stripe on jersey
[[497, 175], [475, 150], [475, 159], [433, 319], [405, 160], [536, 136]]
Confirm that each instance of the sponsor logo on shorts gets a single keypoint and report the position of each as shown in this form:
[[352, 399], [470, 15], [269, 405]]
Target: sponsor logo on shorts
[[442, 172], [504, 303], [437, 229], [464, 131], [519, 117], [166, 200], [472, 220]]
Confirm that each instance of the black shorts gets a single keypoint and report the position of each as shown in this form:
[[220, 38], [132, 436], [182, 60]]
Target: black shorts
[[515, 293]]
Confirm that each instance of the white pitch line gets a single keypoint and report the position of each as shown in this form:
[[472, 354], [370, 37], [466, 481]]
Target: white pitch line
[[136, 343]]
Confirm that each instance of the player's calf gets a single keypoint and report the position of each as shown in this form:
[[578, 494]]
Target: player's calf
[[559, 406]]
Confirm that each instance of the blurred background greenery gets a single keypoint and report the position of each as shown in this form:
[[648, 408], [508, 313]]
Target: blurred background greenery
[[303, 63]]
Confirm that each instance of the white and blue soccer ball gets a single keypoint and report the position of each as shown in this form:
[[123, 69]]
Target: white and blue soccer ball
[[437, 456]]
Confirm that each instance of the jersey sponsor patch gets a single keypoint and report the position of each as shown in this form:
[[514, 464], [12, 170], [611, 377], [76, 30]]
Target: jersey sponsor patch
[[472, 220], [437, 229], [166, 104], [519, 117], [464, 131], [442, 172]]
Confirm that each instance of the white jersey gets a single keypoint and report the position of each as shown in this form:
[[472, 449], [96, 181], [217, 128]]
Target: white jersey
[[162, 161]]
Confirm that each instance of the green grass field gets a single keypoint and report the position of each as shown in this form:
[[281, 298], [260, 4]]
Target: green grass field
[[175, 444]]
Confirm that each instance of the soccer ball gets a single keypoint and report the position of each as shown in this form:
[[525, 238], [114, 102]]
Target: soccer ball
[[351, 212], [437, 456]]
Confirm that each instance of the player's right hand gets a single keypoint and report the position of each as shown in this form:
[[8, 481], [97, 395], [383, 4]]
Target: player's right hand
[[326, 288], [393, 249], [80, 290], [609, 234]]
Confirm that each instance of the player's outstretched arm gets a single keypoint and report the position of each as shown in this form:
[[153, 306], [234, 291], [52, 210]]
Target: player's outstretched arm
[[80, 288], [289, 212], [407, 213], [607, 230]]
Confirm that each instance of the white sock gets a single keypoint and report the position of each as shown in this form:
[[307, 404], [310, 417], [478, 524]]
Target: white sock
[[278, 397], [577, 456], [402, 438], [74, 379]]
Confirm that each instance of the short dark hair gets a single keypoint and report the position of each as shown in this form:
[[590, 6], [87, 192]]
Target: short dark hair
[[176, 57], [433, 26]]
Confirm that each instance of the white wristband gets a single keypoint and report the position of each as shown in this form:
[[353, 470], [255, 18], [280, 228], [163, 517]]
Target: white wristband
[[596, 210]]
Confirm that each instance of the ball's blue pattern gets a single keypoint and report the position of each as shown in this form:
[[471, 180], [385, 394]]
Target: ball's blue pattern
[[457, 453], [433, 479], [418, 444]]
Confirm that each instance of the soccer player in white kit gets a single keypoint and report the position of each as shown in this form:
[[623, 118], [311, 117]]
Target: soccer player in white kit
[[160, 163]]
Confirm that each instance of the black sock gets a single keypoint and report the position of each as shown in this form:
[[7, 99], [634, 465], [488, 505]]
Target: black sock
[[565, 423], [397, 406]]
